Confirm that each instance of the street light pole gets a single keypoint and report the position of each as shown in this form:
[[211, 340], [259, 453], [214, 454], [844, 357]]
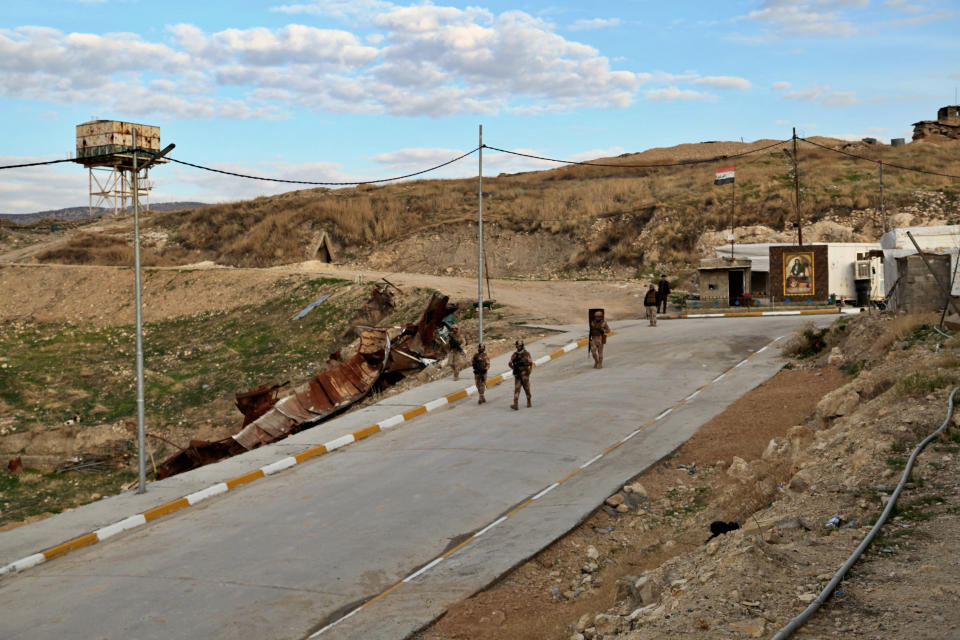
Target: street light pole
[[141, 430], [141, 409]]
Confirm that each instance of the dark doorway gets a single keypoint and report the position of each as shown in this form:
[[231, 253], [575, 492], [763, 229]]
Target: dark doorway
[[736, 285]]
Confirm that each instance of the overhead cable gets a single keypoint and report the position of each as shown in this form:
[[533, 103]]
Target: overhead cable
[[639, 166], [886, 164], [328, 184], [36, 164]]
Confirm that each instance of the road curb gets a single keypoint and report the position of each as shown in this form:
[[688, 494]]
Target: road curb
[[99, 535], [751, 314]]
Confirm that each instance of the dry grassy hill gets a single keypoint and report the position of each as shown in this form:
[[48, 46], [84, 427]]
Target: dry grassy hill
[[569, 221]]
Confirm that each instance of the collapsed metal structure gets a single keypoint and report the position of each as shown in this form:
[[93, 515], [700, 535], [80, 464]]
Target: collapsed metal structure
[[379, 359]]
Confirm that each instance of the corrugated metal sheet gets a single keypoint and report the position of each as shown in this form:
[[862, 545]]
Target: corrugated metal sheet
[[326, 394]]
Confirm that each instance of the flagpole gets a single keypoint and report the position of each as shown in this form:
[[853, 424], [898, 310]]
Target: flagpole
[[733, 214]]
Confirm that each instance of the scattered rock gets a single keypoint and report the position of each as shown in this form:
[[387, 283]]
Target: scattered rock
[[777, 448], [584, 620], [606, 624], [798, 484], [739, 469], [835, 357], [754, 628], [636, 488], [592, 552], [615, 500], [838, 403], [793, 523]]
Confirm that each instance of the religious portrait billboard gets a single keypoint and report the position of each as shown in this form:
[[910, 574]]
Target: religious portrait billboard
[[798, 273]]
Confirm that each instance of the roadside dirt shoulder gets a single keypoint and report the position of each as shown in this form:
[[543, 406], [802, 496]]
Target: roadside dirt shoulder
[[803, 465]]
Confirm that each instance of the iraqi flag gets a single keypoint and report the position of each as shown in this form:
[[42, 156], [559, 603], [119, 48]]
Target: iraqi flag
[[724, 175]]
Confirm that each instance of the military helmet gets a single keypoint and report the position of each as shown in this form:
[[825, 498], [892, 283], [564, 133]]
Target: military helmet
[[481, 348], [518, 344]]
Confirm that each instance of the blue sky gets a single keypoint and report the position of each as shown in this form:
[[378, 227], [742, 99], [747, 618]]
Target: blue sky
[[339, 90]]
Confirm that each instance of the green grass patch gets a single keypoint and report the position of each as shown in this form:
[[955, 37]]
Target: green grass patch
[[921, 383]]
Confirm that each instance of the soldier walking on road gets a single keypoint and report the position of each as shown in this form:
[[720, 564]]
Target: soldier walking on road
[[481, 363], [598, 338], [520, 363], [650, 305], [456, 351]]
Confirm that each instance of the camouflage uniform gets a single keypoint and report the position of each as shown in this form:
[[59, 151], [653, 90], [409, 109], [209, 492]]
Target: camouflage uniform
[[456, 352], [598, 338], [650, 304], [521, 363], [481, 363]]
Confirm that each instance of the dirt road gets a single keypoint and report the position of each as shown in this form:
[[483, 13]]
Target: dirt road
[[103, 296]]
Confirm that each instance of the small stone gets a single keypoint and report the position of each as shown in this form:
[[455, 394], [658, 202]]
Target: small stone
[[807, 598], [592, 552], [569, 595], [584, 621], [622, 508], [754, 628], [615, 500], [635, 487], [606, 624]]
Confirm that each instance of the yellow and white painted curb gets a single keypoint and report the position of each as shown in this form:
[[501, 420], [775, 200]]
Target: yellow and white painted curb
[[433, 563], [751, 314], [275, 467]]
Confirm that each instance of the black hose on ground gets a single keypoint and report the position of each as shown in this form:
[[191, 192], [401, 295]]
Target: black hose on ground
[[798, 622]]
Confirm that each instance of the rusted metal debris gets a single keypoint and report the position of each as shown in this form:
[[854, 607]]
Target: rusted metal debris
[[329, 392]]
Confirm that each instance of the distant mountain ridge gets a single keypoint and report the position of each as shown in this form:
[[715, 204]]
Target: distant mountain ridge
[[83, 213]]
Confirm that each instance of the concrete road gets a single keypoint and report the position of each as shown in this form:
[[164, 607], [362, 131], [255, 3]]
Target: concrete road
[[289, 555]]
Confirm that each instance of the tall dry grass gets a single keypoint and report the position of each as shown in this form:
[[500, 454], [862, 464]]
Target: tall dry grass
[[675, 204]]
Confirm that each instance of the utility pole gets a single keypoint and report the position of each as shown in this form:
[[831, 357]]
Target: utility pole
[[141, 409], [883, 216], [733, 214], [796, 188], [480, 244]]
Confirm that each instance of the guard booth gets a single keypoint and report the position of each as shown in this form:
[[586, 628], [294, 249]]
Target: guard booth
[[724, 282]]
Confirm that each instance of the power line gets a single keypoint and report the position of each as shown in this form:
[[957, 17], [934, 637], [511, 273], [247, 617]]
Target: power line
[[337, 184], [639, 166], [36, 164], [886, 164]]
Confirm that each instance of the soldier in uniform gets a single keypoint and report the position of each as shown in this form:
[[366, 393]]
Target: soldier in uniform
[[481, 363], [650, 304], [598, 338], [456, 351], [520, 363]]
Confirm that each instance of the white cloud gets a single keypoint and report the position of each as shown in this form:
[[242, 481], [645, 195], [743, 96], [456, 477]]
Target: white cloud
[[821, 94], [669, 94], [421, 60], [781, 85], [337, 8], [595, 154], [723, 82], [595, 23], [806, 18]]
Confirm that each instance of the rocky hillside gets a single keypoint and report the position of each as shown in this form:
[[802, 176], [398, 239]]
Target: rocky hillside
[[573, 221]]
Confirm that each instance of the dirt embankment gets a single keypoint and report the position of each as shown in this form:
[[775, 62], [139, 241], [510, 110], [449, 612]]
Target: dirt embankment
[[810, 446]]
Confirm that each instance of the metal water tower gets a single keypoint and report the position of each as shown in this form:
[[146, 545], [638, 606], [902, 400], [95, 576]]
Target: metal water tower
[[105, 147]]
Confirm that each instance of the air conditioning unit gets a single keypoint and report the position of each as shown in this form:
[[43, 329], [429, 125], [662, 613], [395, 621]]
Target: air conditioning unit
[[862, 270]]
